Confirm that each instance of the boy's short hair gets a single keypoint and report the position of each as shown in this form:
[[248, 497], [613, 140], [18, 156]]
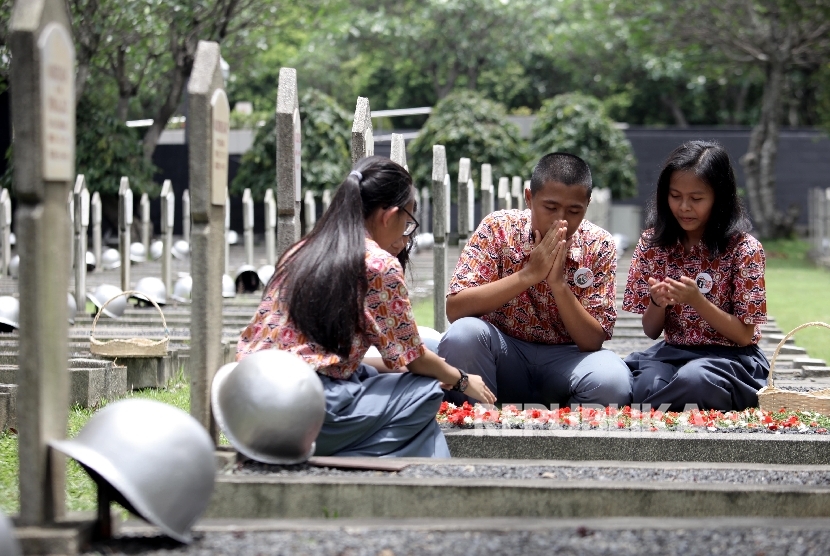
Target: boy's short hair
[[562, 167]]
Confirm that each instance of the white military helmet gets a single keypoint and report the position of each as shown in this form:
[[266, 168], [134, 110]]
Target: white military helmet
[[180, 249], [155, 456], [424, 241], [14, 266], [12, 238], [9, 313], [265, 272], [153, 288], [232, 237], [104, 293], [91, 263], [247, 279], [271, 406], [182, 289], [8, 542], [228, 286], [137, 252], [71, 307], [110, 259], [156, 250]]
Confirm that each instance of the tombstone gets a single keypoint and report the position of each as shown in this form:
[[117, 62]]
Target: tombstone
[[5, 230], [289, 150], [471, 207], [168, 221], [426, 223], [599, 209], [270, 227], [363, 143], [209, 130], [70, 208], [440, 185], [125, 223], [310, 212], [186, 215], [248, 225], [146, 224], [326, 200], [517, 199], [487, 196], [463, 178], [227, 236], [504, 194], [398, 149], [42, 92], [95, 210], [81, 223]]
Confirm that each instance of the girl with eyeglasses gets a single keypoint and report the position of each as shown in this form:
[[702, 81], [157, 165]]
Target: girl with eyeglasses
[[341, 290]]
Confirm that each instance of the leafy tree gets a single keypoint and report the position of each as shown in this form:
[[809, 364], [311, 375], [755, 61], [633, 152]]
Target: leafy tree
[[326, 129], [468, 125], [577, 124]]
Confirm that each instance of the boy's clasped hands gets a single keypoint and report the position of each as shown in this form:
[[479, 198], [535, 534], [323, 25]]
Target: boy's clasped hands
[[547, 259]]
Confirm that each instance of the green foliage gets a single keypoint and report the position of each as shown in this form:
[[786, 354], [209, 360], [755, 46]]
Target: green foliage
[[106, 149], [326, 160], [577, 124], [468, 125]]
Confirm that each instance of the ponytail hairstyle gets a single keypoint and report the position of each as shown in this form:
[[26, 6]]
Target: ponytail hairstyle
[[709, 161], [324, 278]]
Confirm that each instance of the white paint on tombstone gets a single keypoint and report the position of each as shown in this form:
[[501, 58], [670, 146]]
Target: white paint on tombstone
[[57, 84], [363, 142], [220, 138], [398, 150]]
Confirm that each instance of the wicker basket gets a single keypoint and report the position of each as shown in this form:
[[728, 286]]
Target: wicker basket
[[129, 347], [771, 398]]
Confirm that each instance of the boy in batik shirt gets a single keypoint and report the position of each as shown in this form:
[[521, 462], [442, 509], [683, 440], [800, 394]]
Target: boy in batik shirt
[[532, 298]]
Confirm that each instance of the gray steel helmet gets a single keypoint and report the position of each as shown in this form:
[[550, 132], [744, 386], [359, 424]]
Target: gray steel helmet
[[137, 252], [91, 263], [104, 293], [265, 272], [14, 266], [155, 456], [180, 249], [8, 542], [271, 406], [153, 288], [71, 307], [110, 259], [228, 286], [182, 289], [9, 313], [156, 250], [247, 279]]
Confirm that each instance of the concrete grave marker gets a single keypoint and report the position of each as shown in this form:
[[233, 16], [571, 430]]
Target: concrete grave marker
[[310, 212], [248, 225], [95, 206], [425, 210], [471, 206], [186, 215], [168, 214], [363, 143], [81, 198], [440, 185], [398, 152], [326, 200], [289, 168], [517, 199], [208, 165], [42, 92], [70, 208], [227, 236], [270, 227], [487, 193], [5, 230], [463, 178], [146, 224], [125, 223], [504, 194]]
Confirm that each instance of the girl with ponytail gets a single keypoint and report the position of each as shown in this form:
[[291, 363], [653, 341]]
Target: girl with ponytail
[[341, 290]]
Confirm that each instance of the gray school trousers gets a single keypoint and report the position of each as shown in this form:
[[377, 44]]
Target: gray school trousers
[[524, 372]]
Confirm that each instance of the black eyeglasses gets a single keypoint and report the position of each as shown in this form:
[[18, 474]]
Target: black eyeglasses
[[411, 225]]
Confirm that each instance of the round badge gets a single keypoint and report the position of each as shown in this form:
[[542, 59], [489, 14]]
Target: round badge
[[704, 282], [583, 277]]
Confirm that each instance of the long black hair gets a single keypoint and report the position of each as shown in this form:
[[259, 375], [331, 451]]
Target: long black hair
[[324, 279], [710, 163]]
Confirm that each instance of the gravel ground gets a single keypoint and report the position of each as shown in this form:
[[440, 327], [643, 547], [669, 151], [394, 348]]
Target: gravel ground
[[558, 473], [755, 541]]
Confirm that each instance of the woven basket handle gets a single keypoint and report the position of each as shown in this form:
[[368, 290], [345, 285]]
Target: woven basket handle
[[784, 341], [139, 294]]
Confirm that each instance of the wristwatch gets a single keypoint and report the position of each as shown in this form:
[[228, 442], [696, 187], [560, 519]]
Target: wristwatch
[[461, 385]]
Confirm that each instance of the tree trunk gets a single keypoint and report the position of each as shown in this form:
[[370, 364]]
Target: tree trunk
[[676, 111], [178, 78]]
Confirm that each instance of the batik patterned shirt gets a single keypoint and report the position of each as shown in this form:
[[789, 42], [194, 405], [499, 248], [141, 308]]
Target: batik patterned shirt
[[737, 286], [390, 325], [501, 246]]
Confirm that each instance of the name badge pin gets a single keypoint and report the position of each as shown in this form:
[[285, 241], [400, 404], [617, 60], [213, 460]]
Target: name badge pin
[[584, 278]]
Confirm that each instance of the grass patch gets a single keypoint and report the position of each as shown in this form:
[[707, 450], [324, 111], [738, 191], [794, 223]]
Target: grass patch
[[423, 311]]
